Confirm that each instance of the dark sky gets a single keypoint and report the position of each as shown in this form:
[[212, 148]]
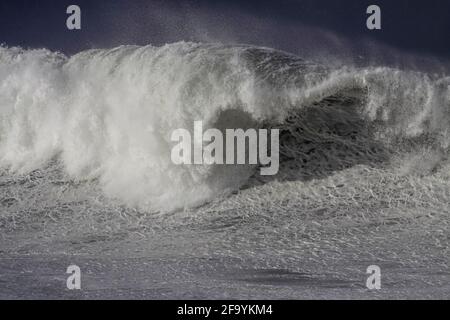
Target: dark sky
[[417, 27]]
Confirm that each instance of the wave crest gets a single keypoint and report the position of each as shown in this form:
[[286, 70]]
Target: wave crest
[[108, 115]]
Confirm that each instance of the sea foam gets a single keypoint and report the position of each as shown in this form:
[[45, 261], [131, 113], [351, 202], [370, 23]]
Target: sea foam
[[108, 115]]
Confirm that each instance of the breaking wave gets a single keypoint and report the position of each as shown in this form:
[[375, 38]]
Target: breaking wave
[[108, 115]]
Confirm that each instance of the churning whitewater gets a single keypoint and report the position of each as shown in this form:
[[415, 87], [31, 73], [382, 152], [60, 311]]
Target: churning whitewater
[[86, 176], [106, 117]]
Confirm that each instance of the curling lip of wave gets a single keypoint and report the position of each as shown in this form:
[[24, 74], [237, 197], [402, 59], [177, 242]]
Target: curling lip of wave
[[108, 114]]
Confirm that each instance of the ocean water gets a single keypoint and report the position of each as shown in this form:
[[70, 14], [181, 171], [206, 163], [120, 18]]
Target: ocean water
[[86, 176]]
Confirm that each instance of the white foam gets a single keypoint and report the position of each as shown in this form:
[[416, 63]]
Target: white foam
[[109, 114]]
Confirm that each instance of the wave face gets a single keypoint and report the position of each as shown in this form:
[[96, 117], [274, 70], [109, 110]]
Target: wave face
[[108, 115]]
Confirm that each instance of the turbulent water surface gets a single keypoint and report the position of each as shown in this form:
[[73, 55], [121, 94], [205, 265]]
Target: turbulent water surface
[[86, 176]]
